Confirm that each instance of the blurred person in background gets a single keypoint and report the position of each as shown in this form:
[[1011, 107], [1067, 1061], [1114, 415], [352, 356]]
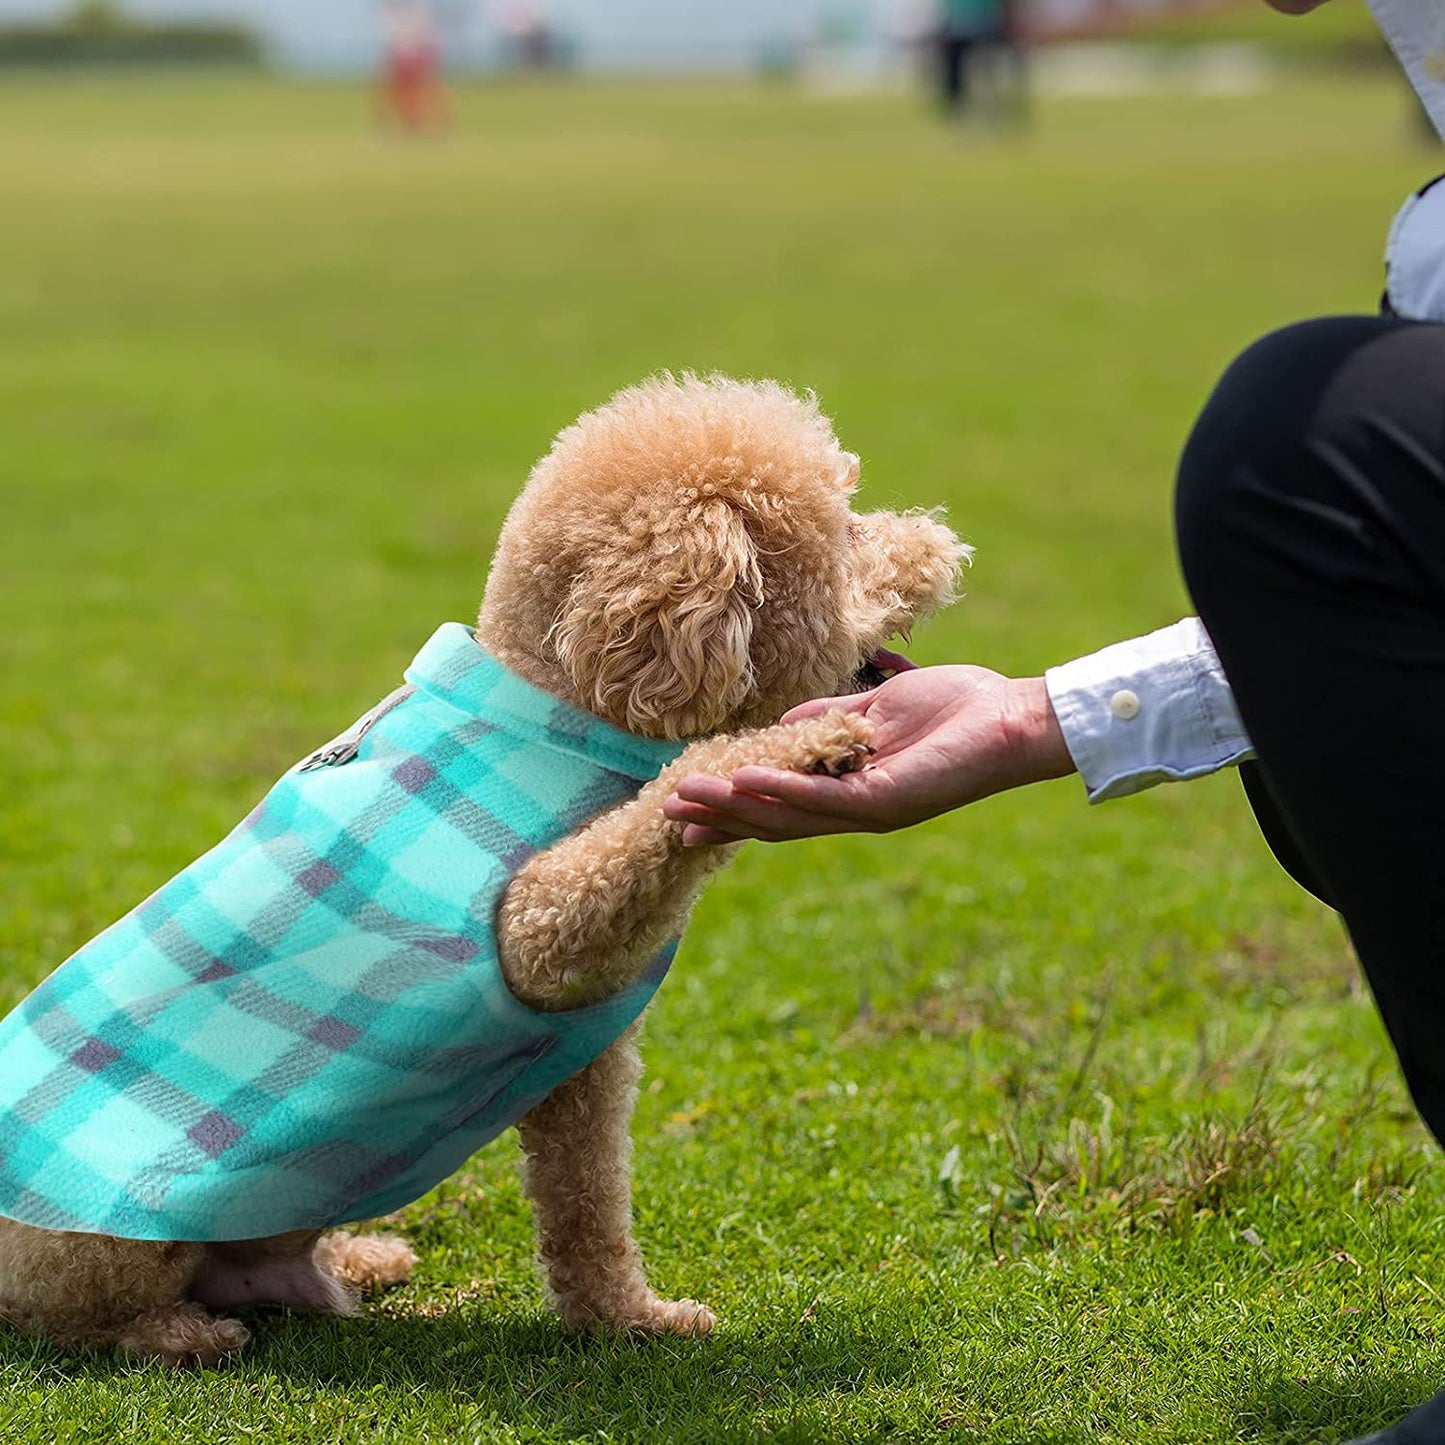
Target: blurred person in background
[[412, 91], [981, 62], [530, 41], [1310, 518], [961, 25], [1008, 53]]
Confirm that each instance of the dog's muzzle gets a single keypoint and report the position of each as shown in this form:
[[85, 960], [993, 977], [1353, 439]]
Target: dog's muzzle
[[877, 668]]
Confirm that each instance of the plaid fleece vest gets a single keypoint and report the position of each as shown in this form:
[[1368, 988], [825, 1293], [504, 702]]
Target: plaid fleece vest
[[309, 1024]]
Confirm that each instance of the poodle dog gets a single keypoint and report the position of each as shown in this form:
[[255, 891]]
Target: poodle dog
[[451, 919]]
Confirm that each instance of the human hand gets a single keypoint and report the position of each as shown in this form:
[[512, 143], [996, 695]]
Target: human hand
[[944, 737]]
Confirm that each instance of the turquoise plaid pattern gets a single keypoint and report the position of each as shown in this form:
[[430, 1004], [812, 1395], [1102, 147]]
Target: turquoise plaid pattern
[[309, 1024]]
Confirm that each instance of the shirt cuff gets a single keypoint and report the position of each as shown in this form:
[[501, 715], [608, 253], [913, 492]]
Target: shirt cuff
[[1152, 710]]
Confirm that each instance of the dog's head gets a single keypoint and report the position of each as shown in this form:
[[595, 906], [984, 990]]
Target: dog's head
[[684, 560]]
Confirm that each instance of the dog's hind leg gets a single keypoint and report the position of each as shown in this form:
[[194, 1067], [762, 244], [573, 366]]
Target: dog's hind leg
[[366, 1261], [95, 1289], [183, 1334], [578, 1149]]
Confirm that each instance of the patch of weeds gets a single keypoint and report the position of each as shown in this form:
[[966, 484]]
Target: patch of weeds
[[932, 1016], [1278, 962], [1094, 1176], [947, 1009]]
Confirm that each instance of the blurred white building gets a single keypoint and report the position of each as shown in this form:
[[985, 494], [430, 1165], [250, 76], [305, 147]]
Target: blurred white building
[[615, 35]]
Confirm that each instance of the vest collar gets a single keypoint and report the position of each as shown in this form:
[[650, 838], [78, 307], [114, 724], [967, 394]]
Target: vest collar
[[455, 668]]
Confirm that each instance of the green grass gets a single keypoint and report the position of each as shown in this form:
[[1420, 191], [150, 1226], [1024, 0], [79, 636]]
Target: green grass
[[1038, 1124]]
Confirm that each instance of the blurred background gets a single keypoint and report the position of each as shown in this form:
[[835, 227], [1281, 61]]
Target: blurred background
[[293, 293], [837, 41]]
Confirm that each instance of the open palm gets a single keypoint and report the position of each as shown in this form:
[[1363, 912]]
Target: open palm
[[945, 736]]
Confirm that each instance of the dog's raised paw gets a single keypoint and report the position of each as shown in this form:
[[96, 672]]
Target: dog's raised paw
[[851, 761], [836, 743]]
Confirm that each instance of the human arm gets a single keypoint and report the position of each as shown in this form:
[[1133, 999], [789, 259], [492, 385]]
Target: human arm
[[947, 736]]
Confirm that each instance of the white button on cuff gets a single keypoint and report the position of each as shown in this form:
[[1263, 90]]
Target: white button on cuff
[[1124, 705]]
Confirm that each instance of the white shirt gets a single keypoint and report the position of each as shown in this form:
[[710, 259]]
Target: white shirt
[[1158, 708], [1416, 32], [1415, 250], [1153, 710]]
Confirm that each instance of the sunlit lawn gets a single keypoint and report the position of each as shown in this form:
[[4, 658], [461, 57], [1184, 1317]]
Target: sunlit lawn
[[1039, 1124]]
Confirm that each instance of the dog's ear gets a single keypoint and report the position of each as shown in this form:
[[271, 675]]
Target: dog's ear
[[658, 628]]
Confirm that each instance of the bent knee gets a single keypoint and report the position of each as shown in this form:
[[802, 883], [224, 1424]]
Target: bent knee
[[1284, 414]]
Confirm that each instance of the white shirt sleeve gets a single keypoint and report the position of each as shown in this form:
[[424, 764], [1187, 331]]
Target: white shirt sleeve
[[1416, 32], [1153, 710], [1415, 256], [1159, 708]]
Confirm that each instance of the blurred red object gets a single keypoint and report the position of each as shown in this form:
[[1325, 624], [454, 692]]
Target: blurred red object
[[412, 89]]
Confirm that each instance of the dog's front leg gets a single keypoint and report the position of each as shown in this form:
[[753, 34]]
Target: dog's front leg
[[586, 916], [578, 1148]]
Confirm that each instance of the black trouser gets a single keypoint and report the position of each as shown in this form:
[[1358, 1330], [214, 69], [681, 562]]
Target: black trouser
[[1311, 521]]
